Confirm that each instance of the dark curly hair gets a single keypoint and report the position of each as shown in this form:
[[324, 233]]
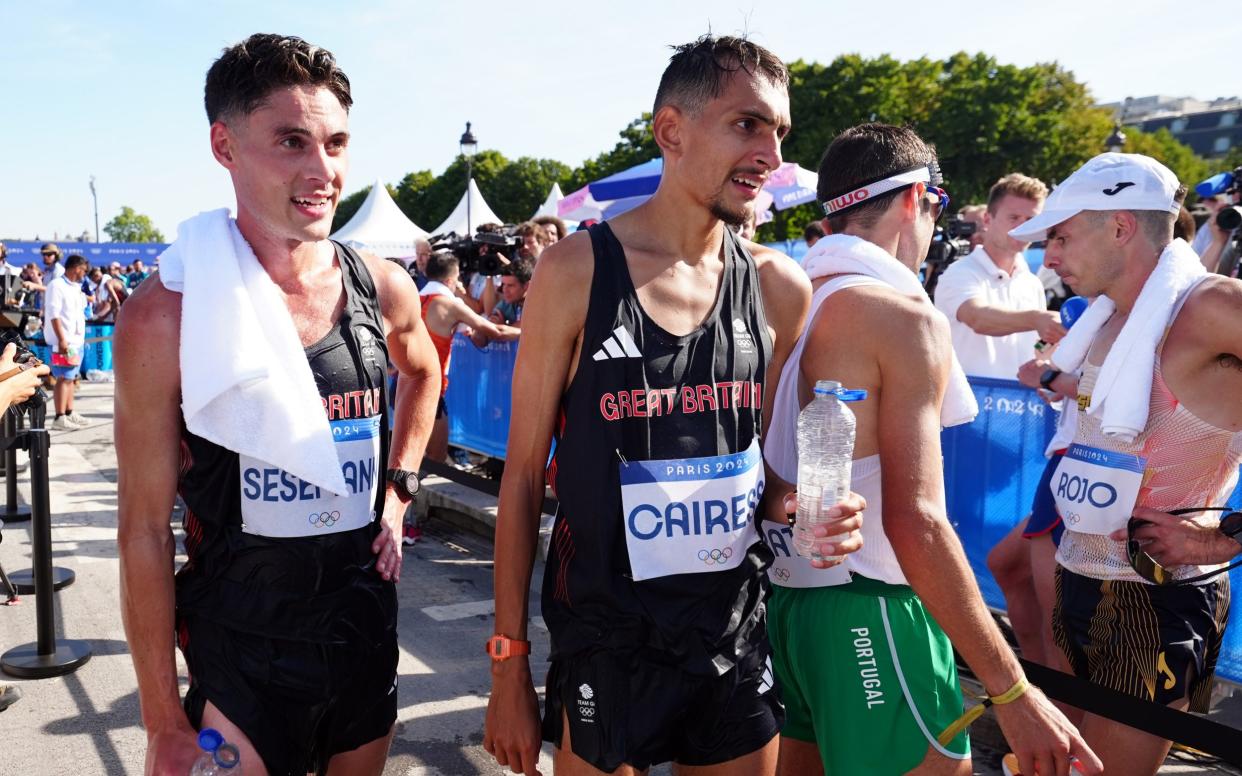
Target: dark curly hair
[[247, 72]]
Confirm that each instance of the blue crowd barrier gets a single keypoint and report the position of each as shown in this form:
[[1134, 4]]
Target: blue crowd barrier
[[98, 355], [991, 466], [479, 387]]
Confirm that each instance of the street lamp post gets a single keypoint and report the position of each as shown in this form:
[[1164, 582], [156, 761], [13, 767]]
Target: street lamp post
[[95, 198], [1116, 142], [469, 146]]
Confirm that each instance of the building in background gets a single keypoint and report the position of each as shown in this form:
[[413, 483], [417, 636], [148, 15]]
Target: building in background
[[1210, 129]]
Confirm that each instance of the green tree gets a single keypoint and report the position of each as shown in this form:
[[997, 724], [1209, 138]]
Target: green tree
[[637, 145], [132, 227], [1164, 148], [348, 207]]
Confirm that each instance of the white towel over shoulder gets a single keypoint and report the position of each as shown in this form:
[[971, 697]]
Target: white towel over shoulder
[[841, 254], [1122, 393], [245, 382]]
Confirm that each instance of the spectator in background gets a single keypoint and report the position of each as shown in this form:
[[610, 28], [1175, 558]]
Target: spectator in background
[[64, 328], [747, 230], [1184, 226], [139, 274], [554, 229], [1203, 236], [422, 252], [534, 240], [443, 311], [812, 233], [52, 269], [995, 304], [513, 285], [109, 295], [975, 214]]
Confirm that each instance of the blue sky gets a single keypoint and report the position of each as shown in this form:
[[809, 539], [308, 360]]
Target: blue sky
[[114, 89]]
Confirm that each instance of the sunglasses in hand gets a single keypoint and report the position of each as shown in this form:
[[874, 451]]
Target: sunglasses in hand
[[1150, 569]]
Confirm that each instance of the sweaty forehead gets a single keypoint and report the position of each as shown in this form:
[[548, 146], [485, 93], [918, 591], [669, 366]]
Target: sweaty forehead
[[746, 91]]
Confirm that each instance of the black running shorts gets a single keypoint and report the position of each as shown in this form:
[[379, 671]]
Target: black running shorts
[[1152, 642], [622, 709], [299, 703]]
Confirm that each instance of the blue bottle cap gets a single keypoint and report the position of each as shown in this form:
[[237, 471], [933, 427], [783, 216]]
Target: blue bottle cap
[[844, 394], [227, 757], [209, 739]]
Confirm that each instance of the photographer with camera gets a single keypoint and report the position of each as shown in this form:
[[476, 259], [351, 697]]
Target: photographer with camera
[[995, 304], [18, 383], [64, 328], [513, 284], [1222, 194]]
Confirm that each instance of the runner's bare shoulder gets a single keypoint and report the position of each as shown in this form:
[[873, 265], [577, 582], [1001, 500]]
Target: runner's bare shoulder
[[560, 289], [150, 321]]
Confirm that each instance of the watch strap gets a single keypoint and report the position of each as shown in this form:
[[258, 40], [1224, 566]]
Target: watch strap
[[502, 647], [1045, 380]]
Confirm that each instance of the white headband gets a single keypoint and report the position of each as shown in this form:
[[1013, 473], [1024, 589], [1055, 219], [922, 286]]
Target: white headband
[[873, 190]]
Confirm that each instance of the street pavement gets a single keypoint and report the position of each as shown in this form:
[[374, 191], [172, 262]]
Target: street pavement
[[88, 722]]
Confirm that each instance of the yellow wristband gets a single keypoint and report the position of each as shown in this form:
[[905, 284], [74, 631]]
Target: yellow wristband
[[1009, 696]]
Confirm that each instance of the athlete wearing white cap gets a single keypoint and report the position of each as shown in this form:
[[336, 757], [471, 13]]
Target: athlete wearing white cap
[[1140, 607]]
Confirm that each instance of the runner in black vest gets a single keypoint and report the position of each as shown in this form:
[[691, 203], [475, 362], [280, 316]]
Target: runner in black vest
[[648, 348], [286, 606]]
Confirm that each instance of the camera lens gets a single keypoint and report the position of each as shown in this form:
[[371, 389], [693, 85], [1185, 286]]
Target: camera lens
[[1229, 218]]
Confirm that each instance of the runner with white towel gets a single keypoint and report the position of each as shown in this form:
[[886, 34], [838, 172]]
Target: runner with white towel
[[252, 379], [1139, 607]]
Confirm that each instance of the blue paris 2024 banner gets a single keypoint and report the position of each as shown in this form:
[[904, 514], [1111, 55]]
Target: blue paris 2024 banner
[[98, 254]]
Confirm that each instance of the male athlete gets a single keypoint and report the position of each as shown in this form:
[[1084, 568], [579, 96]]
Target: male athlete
[[1109, 231], [865, 659], [288, 625], [443, 312], [649, 347]]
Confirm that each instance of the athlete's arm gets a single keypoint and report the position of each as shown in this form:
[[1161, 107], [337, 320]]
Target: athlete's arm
[[912, 348], [412, 353], [786, 294], [556, 308], [992, 321], [148, 449], [488, 329]]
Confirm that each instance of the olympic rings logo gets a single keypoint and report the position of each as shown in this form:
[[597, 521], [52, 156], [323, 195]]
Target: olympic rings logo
[[713, 556], [781, 574], [323, 519]]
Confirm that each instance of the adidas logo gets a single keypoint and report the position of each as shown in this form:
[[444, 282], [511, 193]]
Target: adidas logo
[[619, 345]]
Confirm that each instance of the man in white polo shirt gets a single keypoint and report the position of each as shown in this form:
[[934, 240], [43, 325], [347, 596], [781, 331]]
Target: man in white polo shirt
[[995, 304]]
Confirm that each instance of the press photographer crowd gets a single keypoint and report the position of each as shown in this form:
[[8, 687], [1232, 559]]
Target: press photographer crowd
[[758, 561]]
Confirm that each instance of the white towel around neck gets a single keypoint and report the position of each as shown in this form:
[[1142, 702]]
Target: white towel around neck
[[1122, 393], [245, 382], [843, 254]]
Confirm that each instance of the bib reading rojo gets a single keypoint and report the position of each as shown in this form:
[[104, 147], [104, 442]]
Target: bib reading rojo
[[1096, 490], [690, 515], [789, 569], [276, 503]]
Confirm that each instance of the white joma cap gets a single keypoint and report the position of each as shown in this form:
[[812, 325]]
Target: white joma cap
[[1107, 182]]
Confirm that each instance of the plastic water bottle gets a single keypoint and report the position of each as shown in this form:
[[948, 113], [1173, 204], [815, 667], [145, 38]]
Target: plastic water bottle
[[217, 757], [825, 456]]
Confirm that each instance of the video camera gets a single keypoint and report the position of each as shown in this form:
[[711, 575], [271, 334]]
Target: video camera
[[479, 252], [948, 244], [24, 355], [1229, 184]]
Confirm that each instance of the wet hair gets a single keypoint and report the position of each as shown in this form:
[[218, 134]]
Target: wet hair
[[522, 269], [1017, 185], [861, 155], [698, 72], [440, 265], [247, 72], [814, 229], [75, 260]]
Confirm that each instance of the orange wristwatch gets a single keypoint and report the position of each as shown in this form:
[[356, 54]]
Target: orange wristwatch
[[502, 647]]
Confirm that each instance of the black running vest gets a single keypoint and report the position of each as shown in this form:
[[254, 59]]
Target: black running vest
[[311, 587], [641, 394]]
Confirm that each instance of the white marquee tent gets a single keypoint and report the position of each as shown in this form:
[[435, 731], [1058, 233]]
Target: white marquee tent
[[549, 206], [480, 213], [380, 226]]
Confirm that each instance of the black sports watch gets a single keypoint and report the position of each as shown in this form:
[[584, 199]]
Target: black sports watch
[[404, 479], [1045, 380], [1231, 526]]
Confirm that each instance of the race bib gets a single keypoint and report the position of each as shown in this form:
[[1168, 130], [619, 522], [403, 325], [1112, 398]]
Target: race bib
[[1096, 490], [789, 569], [275, 503], [690, 515]]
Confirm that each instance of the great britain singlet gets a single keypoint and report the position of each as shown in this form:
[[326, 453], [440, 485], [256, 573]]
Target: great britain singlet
[[658, 474], [272, 555]]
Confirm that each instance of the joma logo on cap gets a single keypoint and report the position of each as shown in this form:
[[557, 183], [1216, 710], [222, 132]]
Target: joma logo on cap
[[1121, 185]]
